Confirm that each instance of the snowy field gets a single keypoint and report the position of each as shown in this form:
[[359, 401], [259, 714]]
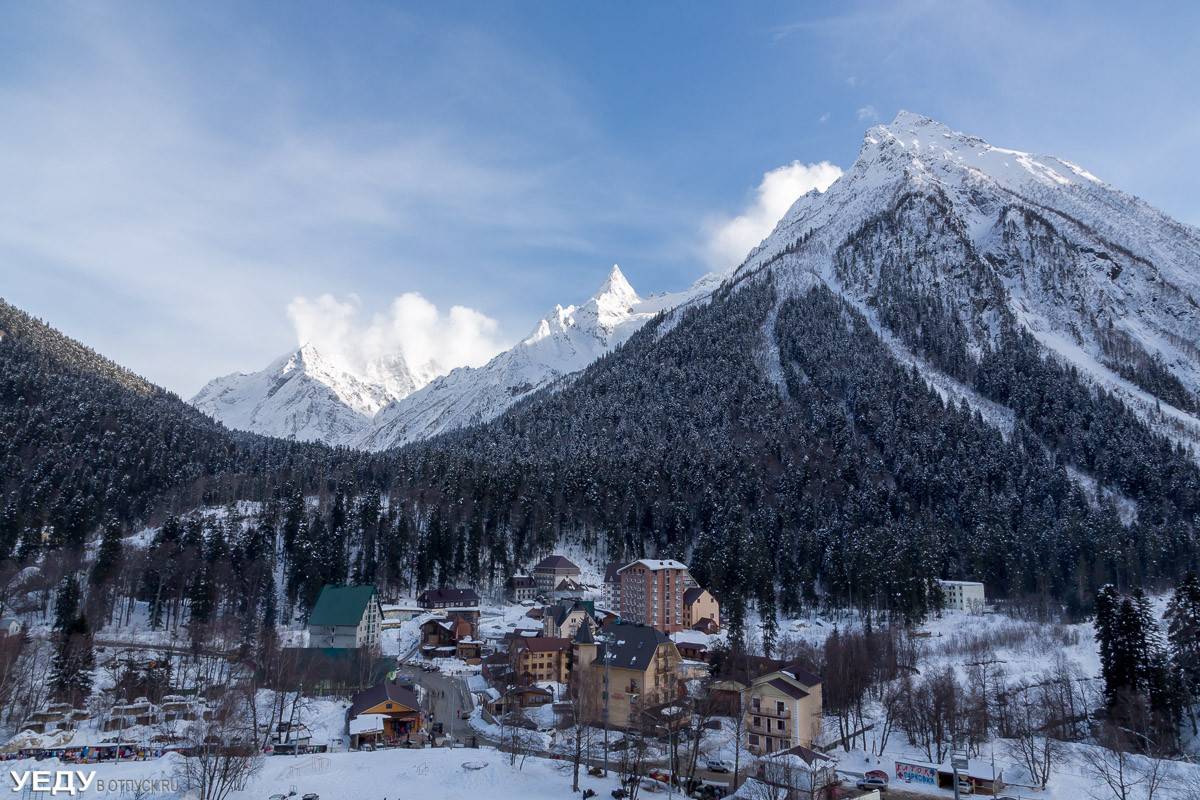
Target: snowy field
[[444, 774]]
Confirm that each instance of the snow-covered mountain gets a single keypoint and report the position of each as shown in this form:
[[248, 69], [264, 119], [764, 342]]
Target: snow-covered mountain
[[306, 396], [928, 215], [564, 341]]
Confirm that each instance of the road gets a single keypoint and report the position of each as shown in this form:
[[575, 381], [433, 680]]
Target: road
[[446, 697]]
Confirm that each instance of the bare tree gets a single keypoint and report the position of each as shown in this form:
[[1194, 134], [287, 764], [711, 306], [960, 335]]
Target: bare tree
[[1119, 772], [582, 709], [221, 754], [1028, 743], [931, 713]]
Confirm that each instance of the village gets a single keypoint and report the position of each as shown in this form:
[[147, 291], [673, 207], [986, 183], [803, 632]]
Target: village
[[625, 675]]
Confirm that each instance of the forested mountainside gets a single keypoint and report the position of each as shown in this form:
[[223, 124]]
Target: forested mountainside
[[83, 440], [918, 375]]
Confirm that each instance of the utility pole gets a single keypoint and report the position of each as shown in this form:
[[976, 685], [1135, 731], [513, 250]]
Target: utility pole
[[959, 759], [607, 657]]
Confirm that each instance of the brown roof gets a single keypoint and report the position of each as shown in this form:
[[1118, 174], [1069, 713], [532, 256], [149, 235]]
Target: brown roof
[[802, 675], [556, 562], [544, 644], [794, 692], [384, 692], [745, 668]]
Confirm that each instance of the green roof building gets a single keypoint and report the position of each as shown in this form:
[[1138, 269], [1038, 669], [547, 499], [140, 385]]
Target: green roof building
[[345, 616]]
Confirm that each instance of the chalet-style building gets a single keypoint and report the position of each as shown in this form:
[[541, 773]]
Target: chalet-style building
[[456, 635], [568, 588], [698, 605], [448, 597], [540, 658], [548, 572], [520, 588], [783, 710], [652, 592], [388, 711], [345, 617], [638, 663], [562, 620]]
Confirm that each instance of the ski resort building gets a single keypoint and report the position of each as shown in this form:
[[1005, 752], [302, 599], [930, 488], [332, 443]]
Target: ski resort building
[[345, 616], [963, 595], [449, 597], [631, 671], [551, 570], [783, 710], [520, 588], [699, 604], [652, 591], [388, 712]]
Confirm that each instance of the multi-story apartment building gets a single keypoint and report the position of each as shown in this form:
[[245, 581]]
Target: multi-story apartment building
[[652, 592], [963, 595], [345, 617], [541, 658], [631, 670], [611, 598], [551, 570]]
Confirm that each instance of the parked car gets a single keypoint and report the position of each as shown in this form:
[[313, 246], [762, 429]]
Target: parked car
[[311, 796], [660, 775], [619, 794], [718, 765], [464, 714], [872, 782], [965, 786]]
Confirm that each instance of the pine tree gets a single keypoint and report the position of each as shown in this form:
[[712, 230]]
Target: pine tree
[[1183, 638], [74, 659], [1108, 602]]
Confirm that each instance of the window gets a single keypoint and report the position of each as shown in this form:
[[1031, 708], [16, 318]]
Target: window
[[757, 722], [753, 740], [780, 707], [778, 724]]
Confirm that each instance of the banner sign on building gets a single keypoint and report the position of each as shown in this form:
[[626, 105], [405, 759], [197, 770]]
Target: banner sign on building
[[916, 773]]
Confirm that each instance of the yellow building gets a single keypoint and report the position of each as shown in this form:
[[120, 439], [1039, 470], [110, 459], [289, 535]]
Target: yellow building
[[633, 668], [699, 604], [783, 710]]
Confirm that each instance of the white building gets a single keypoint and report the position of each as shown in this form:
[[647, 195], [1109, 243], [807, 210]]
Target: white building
[[963, 595]]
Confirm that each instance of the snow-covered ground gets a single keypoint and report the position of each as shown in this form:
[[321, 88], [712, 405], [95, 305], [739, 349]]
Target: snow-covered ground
[[445, 774]]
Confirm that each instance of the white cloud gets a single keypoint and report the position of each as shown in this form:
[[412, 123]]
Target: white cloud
[[867, 114], [823, 118], [431, 342], [731, 239]]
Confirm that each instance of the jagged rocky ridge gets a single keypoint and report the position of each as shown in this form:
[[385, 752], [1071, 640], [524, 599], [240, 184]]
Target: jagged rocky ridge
[[308, 396]]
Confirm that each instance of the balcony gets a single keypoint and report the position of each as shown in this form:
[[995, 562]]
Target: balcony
[[772, 712]]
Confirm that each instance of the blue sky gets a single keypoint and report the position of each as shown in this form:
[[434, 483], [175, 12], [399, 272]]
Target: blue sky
[[173, 176]]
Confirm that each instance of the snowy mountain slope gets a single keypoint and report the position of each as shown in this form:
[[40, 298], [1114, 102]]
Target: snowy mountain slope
[[308, 396], [564, 341], [931, 221], [305, 396]]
